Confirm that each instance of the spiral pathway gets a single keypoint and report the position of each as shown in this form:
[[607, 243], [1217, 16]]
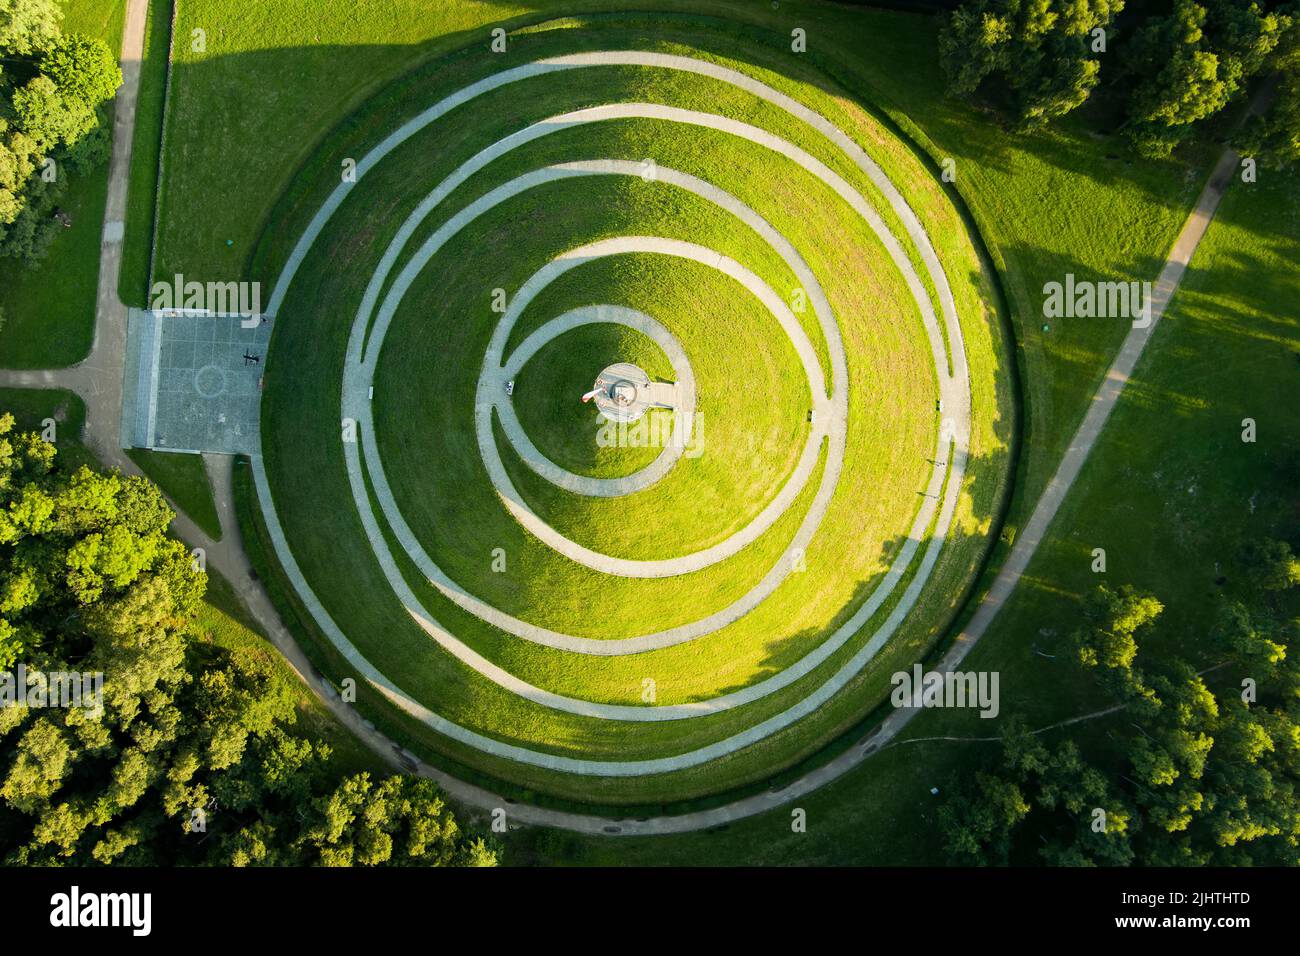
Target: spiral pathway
[[389, 535]]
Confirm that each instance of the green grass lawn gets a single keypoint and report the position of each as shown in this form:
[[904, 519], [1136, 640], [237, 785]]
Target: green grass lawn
[[1041, 213], [750, 446], [566, 430], [1053, 202], [439, 485], [1170, 492], [1056, 202], [32, 407], [185, 481], [49, 308]]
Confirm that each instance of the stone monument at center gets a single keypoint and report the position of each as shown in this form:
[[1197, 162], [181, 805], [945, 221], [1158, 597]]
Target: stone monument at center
[[623, 393]]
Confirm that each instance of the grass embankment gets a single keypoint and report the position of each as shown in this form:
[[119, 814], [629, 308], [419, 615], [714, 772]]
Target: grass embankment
[[146, 151], [184, 479], [881, 330]]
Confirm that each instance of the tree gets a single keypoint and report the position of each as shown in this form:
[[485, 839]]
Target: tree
[[188, 736], [51, 117], [1190, 64], [401, 820], [1274, 137], [977, 822], [83, 548], [1270, 565], [82, 68], [1252, 640], [1108, 641], [27, 26], [1056, 794], [1209, 777], [1043, 51]]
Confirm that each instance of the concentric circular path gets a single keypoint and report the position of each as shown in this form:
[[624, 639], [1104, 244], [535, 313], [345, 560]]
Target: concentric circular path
[[495, 379], [824, 442]]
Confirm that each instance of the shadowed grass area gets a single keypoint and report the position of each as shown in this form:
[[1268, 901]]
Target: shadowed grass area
[[1061, 200], [185, 481], [33, 408], [1170, 493], [146, 148]]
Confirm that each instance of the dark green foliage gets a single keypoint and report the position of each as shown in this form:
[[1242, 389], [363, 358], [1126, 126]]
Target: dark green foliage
[[54, 91], [1270, 565], [188, 758], [1043, 51], [1190, 64], [1083, 819], [1209, 778], [1274, 137], [1173, 71]]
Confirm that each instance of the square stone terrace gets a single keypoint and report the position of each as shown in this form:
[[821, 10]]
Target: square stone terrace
[[193, 381]]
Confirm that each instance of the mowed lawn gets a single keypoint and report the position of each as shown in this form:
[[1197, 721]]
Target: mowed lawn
[[1046, 205], [33, 408], [1039, 210], [1050, 203], [49, 306], [566, 430], [146, 147], [880, 327]]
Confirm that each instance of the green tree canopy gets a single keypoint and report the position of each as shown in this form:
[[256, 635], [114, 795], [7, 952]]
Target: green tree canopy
[[1274, 137], [54, 95], [190, 756], [1108, 640], [1190, 64], [27, 26], [1211, 772], [1043, 51]]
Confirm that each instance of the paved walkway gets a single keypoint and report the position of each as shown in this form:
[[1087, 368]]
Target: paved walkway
[[98, 378], [830, 417], [954, 387], [1027, 543]]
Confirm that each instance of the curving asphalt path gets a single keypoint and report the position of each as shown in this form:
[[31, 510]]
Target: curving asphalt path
[[954, 393], [892, 725], [1112, 387], [829, 419]]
